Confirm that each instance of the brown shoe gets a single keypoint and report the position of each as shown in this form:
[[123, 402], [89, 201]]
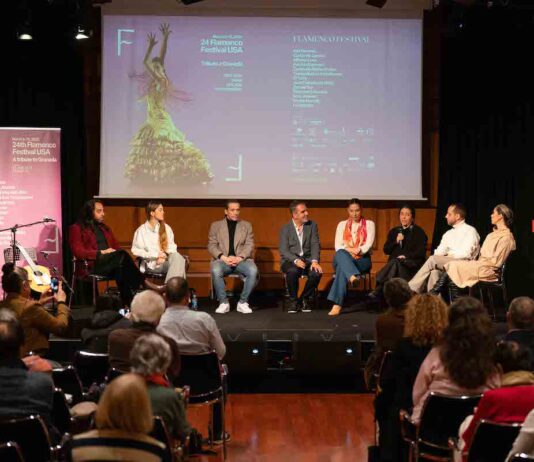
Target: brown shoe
[[159, 289]]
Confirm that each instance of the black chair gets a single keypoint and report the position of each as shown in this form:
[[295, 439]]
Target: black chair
[[441, 417], [61, 417], [486, 291], [112, 374], [492, 441], [10, 452], [522, 458], [91, 277], [142, 263], [91, 367], [203, 375], [67, 379], [32, 436], [174, 451]]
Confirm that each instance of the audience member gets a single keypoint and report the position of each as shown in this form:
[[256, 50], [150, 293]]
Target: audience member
[[22, 392], [106, 318], [520, 317], [425, 319], [514, 400], [147, 309], [150, 358], [37, 322], [463, 362], [123, 420]]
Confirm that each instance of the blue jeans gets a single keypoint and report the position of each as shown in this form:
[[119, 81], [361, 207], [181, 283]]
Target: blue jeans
[[345, 267], [247, 268]]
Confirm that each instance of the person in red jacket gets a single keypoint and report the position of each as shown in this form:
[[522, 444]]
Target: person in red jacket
[[510, 403], [90, 239]]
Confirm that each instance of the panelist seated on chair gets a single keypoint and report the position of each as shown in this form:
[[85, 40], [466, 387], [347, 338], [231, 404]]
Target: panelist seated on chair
[[462, 242], [354, 243], [231, 245], [300, 252], [36, 320], [495, 250], [154, 242], [92, 240], [406, 247]]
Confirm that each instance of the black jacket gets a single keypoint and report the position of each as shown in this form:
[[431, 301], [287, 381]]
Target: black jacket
[[413, 246]]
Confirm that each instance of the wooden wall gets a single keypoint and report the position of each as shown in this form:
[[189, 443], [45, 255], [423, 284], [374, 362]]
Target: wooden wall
[[191, 226]]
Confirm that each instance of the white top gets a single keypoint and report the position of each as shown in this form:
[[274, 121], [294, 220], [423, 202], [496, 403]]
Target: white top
[[195, 332], [460, 242], [365, 248], [300, 236], [146, 242]]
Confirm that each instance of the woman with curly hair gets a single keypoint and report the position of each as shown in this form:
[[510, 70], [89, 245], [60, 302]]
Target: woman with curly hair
[[425, 319], [463, 361]]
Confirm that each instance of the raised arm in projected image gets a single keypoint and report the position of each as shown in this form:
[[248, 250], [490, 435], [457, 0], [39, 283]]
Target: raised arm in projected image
[[160, 153]]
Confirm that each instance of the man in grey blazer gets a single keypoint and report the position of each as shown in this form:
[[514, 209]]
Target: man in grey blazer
[[231, 244], [300, 251]]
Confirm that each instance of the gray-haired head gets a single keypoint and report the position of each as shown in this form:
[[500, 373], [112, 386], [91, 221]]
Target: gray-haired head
[[150, 355], [148, 306]]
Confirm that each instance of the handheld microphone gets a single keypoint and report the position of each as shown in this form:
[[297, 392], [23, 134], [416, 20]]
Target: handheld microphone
[[49, 220], [401, 229]]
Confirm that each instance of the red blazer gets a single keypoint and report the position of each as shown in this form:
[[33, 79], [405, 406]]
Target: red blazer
[[501, 405], [82, 243]]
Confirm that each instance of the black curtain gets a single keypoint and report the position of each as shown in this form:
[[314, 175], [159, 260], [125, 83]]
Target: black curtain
[[487, 128]]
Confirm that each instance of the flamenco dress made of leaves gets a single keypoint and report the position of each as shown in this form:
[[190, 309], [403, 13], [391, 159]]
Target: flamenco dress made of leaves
[[160, 153]]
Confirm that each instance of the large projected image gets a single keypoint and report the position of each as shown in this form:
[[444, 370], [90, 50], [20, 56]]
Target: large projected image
[[205, 107]]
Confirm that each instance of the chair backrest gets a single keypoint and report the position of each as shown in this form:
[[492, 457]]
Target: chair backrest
[[113, 373], [522, 458], [8, 254], [31, 434], [91, 367], [385, 365], [442, 415], [11, 452], [160, 433], [67, 379], [202, 373], [492, 441], [60, 411]]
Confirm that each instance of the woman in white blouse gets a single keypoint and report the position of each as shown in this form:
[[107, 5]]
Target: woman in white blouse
[[154, 242], [354, 241]]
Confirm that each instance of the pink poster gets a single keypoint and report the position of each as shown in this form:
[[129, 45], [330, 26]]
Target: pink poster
[[30, 191]]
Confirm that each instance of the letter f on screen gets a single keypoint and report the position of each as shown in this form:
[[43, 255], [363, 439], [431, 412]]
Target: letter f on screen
[[120, 41]]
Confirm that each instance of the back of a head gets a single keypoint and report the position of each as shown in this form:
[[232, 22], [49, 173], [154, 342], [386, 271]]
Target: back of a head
[[150, 355], [147, 306], [468, 346], [125, 405], [108, 302], [425, 320], [177, 290], [397, 293], [12, 278], [521, 313], [11, 335], [511, 356]]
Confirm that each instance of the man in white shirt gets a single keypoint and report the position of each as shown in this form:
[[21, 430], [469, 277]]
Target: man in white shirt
[[462, 242], [195, 333]]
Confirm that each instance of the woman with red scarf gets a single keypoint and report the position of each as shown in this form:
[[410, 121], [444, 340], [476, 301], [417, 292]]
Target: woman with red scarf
[[354, 242]]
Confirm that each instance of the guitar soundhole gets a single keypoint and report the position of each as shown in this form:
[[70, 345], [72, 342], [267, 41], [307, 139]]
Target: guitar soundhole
[[38, 273]]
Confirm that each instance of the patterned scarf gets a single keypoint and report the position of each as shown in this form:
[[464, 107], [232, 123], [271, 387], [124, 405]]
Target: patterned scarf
[[361, 234]]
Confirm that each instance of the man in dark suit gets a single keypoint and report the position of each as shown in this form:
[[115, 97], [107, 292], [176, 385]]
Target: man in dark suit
[[300, 251], [520, 318]]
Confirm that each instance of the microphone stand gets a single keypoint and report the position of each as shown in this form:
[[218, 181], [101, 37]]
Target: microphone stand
[[14, 229], [56, 273]]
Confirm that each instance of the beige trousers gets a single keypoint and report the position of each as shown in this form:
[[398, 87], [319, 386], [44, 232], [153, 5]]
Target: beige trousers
[[429, 273]]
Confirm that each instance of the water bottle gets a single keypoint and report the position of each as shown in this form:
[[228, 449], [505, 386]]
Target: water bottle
[[194, 300]]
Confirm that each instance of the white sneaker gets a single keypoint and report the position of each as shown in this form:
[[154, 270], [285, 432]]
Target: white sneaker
[[223, 308], [244, 308]]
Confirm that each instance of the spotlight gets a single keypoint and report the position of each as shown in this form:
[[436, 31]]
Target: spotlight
[[255, 351], [376, 3], [82, 33], [24, 36], [349, 351]]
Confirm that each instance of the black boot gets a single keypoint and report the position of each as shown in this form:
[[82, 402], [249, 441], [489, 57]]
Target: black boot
[[441, 285], [454, 291]]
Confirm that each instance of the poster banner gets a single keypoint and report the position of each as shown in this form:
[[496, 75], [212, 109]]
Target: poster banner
[[30, 191]]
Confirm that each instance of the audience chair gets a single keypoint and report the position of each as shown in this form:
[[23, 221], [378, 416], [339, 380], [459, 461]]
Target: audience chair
[[91, 367], [487, 289], [112, 374], [89, 277], [441, 417], [32, 436], [10, 452], [67, 379], [522, 458], [285, 301], [174, 450], [60, 412], [202, 373], [492, 441]]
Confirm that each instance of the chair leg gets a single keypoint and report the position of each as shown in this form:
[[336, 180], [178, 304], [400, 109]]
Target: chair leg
[[223, 418], [95, 288], [211, 430], [491, 303]]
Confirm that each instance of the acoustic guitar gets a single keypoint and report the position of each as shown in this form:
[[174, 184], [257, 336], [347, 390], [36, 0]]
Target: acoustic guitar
[[38, 276]]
